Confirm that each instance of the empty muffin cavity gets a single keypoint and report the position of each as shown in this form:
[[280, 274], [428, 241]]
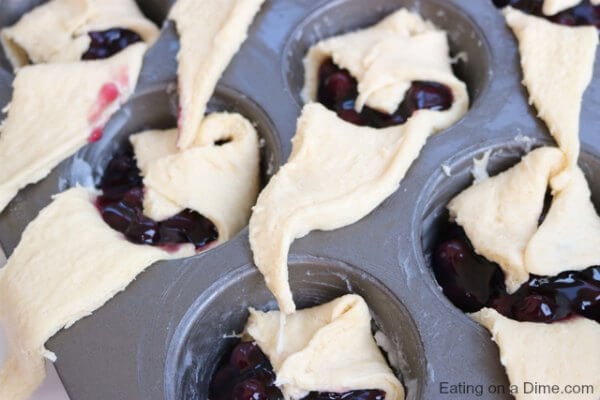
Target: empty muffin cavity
[[211, 327]]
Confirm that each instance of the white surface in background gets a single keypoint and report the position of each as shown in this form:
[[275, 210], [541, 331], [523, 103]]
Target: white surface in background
[[52, 388]]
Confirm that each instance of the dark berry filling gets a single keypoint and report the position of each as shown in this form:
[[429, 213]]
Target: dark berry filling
[[121, 206], [246, 374], [338, 92], [104, 44], [582, 14], [472, 282]]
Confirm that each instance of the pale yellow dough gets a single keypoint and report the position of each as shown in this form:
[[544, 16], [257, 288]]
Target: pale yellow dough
[[569, 238], [562, 353], [67, 265], [552, 7], [513, 201], [555, 81], [210, 33], [328, 348], [57, 30], [219, 182], [385, 59], [47, 123], [338, 172]]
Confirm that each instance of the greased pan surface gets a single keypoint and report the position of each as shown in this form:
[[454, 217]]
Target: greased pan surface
[[162, 337]]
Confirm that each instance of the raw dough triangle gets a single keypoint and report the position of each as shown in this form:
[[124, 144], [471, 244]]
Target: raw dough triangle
[[552, 7], [67, 264], [512, 203], [219, 182], [557, 63], [210, 33], [328, 348], [47, 123], [562, 353], [569, 237]]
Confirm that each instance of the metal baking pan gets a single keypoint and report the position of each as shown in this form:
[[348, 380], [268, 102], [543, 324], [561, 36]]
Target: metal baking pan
[[162, 337]]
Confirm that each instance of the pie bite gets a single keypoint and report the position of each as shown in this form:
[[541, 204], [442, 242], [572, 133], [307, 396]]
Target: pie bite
[[62, 31], [321, 353], [339, 171]]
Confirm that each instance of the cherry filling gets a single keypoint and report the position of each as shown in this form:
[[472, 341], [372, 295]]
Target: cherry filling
[[338, 91], [471, 282], [121, 206], [104, 44], [582, 14], [246, 374]]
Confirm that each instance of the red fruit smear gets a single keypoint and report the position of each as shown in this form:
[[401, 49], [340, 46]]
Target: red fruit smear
[[95, 135], [108, 94]]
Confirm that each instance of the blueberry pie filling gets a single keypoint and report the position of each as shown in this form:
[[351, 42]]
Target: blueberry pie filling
[[338, 91], [121, 206], [104, 44], [471, 282]]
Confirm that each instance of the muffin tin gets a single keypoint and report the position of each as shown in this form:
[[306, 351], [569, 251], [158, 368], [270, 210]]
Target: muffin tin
[[163, 336]]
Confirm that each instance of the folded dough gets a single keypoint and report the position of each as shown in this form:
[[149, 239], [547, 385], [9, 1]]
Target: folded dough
[[385, 59], [546, 354], [57, 30], [221, 182], [47, 123], [328, 348], [67, 264], [210, 33], [557, 63], [513, 200]]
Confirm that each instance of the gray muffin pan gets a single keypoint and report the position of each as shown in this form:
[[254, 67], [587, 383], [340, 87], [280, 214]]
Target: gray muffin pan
[[163, 336]]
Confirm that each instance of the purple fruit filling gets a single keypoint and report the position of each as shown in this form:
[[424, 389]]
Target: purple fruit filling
[[338, 91], [582, 14], [472, 282], [104, 44], [246, 374], [121, 207]]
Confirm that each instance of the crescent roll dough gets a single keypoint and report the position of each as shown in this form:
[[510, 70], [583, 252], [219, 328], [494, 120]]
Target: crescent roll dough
[[47, 123], [328, 348], [220, 182]]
